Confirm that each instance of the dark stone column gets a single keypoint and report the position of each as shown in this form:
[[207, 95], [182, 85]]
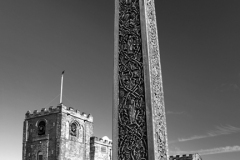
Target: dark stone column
[[139, 121]]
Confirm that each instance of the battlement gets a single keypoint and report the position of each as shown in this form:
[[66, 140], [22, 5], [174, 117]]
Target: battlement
[[42, 112], [101, 141], [185, 157], [181, 157], [77, 113], [58, 109]]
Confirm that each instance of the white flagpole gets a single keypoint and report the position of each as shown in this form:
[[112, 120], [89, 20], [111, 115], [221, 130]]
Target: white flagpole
[[61, 88]]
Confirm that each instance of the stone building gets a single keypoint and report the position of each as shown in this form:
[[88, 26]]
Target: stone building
[[186, 157], [100, 148], [62, 133]]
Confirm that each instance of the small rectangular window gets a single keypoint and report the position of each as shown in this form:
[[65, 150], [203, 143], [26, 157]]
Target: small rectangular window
[[103, 149]]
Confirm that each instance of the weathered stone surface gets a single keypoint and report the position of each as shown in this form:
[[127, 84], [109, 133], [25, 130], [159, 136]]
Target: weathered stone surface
[[25, 136], [139, 126], [89, 134], [156, 85], [34, 143]]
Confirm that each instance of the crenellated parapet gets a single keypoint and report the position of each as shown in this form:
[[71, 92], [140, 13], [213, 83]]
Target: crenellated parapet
[[59, 109], [42, 112], [101, 141], [76, 113], [186, 157]]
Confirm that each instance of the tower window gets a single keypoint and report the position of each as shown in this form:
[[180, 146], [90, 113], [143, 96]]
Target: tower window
[[41, 128], [73, 130], [40, 156], [103, 149]]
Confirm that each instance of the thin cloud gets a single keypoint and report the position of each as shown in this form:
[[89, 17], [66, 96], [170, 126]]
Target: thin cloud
[[192, 138], [222, 130], [226, 149]]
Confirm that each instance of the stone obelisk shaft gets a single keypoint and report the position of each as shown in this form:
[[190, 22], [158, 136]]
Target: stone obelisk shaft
[[139, 121]]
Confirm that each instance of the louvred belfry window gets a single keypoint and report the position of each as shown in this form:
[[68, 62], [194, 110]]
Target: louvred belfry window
[[41, 128], [73, 129]]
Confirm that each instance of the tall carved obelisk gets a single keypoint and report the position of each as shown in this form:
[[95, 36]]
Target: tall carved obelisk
[[139, 121]]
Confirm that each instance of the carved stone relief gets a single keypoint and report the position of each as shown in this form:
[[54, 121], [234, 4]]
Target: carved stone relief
[[132, 139], [160, 133], [132, 125]]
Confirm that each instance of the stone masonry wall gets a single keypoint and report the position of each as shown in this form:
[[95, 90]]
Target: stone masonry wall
[[89, 134], [75, 147], [100, 149], [186, 157], [35, 143], [60, 141], [25, 125], [72, 147]]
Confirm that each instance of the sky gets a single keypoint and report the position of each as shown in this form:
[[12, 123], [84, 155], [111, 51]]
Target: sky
[[199, 45]]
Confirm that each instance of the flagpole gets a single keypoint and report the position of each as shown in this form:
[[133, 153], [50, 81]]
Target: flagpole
[[61, 87]]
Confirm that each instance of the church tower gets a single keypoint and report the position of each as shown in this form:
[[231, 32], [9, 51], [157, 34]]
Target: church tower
[[57, 133]]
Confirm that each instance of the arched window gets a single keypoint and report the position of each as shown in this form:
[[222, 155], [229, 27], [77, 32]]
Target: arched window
[[73, 129], [40, 156], [76, 131], [41, 128]]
